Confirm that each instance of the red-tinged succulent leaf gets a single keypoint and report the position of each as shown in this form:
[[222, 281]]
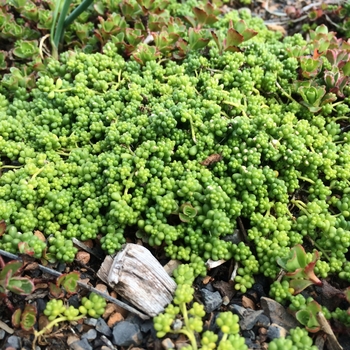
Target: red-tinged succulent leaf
[[188, 210], [197, 39], [24, 248], [310, 274], [100, 8], [345, 68], [69, 281], [241, 28], [10, 268], [203, 17], [299, 284], [218, 42], [233, 38], [295, 260], [16, 318], [2, 227], [133, 36], [184, 218], [56, 291], [248, 34], [306, 318], [28, 317], [21, 285]]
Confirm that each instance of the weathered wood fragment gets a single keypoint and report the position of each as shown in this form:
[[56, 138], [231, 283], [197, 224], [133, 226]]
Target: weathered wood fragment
[[136, 275]]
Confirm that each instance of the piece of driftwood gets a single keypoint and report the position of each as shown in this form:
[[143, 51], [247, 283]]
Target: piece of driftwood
[[136, 275]]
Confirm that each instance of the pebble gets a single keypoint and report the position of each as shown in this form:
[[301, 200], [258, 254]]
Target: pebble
[[14, 341], [237, 310], [91, 321], [74, 301], [167, 344], [250, 319], [82, 344], [115, 318], [107, 342], [276, 331], [277, 313], [2, 334], [103, 328], [91, 334], [211, 300], [126, 333]]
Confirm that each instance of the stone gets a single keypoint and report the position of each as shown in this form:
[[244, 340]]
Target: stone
[[277, 313], [147, 326], [249, 319], [91, 334], [74, 301], [237, 310], [82, 344], [276, 331], [107, 342], [2, 334], [126, 333], [14, 341], [72, 339], [115, 318], [211, 300], [263, 321], [91, 321], [167, 344], [103, 328]]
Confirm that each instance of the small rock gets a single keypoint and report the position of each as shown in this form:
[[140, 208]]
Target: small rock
[[103, 328], [115, 318], [102, 288], [91, 334], [82, 344], [74, 301], [277, 313], [126, 333], [248, 334], [225, 300], [72, 339], [249, 319], [110, 308], [2, 334], [237, 310], [60, 267], [14, 341], [276, 331], [91, 321], [263, 321], [79, 328], [107, 342], [225, 289], [146, 326], [83, 257], [212, 300], [97, 343], [104, 347], [167, 344]]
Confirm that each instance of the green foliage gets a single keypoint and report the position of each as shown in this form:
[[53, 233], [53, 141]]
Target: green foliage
[[190, 315], [9, 282], [300, 272], [298, 339]]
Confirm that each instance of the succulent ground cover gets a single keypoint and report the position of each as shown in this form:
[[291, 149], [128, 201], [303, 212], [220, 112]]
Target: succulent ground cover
[[200, 132]]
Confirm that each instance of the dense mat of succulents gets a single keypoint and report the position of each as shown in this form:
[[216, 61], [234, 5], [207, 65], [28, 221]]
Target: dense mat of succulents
[[212, 120]]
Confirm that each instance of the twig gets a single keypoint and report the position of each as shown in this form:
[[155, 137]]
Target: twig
[[86, 248], [331, 338], [83, 285]]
